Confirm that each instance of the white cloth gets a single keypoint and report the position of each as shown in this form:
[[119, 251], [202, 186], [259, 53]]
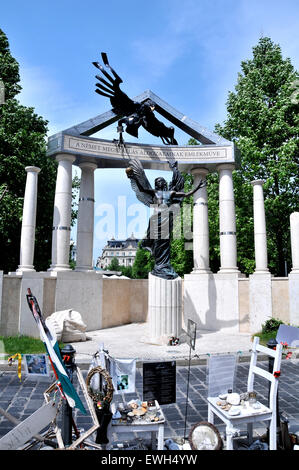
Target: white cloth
[[123, 374], [68, 326]]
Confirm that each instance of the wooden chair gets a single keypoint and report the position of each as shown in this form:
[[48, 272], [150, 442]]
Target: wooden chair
[[249, 416]]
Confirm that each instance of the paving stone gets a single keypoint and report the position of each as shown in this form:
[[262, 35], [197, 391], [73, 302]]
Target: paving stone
[[23, 398]]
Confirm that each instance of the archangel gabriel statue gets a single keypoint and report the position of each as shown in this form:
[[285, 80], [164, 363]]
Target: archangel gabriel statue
[[163, 200], [133, 114]]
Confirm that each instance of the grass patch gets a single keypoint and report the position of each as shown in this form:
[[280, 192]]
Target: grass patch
[[22, 344], [265, 337]]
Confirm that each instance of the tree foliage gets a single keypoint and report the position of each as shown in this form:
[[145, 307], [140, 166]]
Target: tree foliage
[[22, 143], [143, 264], [262, 119]]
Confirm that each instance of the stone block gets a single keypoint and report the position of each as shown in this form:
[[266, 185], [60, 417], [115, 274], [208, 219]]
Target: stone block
[[294, 298], [260, 294], [81, 291], [211, 300]]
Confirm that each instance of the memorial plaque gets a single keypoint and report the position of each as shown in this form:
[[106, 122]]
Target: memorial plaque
[[159, 382]]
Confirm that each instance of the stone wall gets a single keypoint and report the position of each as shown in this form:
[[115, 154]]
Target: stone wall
[[102, 303], [214, 302], [124, 301]]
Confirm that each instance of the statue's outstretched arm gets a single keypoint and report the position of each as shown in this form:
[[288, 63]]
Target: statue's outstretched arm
[[201, 184]]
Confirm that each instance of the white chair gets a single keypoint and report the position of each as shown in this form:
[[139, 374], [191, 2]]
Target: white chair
[[249, 415]]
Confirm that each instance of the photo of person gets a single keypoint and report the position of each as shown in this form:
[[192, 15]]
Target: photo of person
[[36, 364], [122, 382]]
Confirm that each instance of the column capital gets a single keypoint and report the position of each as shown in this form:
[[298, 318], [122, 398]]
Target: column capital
[[225, 166], [32, 169], [65, 156], [88, 165], [199, 171], [257, 182]]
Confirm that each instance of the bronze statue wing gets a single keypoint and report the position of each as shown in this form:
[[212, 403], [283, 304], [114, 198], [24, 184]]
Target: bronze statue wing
[[139, 182], [121, 103]]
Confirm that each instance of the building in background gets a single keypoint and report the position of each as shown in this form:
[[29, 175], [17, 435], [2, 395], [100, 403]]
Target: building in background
[[123, 250]]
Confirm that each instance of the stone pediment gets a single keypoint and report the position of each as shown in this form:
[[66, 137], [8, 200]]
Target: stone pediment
[[77, 141]]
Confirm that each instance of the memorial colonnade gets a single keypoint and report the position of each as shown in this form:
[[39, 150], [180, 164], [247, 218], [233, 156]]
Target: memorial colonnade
[[85, 223]]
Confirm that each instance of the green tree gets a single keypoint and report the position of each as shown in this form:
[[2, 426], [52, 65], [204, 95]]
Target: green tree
[[114, 265], [263, 120], [22, 143], [126, 271], [143, 264], [181, 256]]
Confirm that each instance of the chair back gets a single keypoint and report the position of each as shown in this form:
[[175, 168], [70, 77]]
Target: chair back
[[220, 374], [270, 376]]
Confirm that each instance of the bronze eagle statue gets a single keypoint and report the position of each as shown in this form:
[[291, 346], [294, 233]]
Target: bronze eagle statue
[[134, 114]]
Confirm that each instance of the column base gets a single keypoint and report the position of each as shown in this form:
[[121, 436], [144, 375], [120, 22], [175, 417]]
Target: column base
[[261, 271], [229, 271], [25, 269], [60, 268], [84, 269], [294, 271], [201, 271]]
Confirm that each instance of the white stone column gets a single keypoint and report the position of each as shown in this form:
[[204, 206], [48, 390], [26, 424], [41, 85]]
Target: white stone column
[[85, 224], [62, 214], [260, 236], [200, 224], [294, 223], [227, 220], [29, 221]]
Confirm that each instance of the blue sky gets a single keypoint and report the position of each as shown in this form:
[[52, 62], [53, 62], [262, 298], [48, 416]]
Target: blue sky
[[188, 52]]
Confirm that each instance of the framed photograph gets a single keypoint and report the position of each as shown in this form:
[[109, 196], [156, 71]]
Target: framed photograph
[[36, 365], [122, 382]]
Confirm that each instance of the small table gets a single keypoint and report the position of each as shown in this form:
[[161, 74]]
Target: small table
[[247, 416], [156, 428]]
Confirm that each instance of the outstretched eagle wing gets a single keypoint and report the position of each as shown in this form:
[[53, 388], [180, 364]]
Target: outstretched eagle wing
[[121, 103], [139, 182]]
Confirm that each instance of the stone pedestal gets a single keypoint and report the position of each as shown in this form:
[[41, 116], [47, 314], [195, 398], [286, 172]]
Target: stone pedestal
[[260, 297], [164, 309], [294, 224], [211, 301], [294, 298]]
